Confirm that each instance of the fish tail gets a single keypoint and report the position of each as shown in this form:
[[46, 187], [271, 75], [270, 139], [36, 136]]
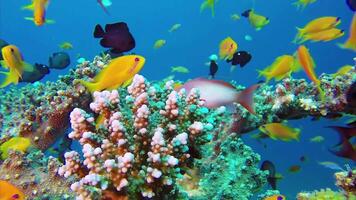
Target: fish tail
[[299, 34], [92, 87], [11, 77], [265, 74], [99, 31], [245, 98]]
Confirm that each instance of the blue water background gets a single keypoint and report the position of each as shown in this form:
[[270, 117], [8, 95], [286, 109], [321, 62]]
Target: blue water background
[[190, 46]]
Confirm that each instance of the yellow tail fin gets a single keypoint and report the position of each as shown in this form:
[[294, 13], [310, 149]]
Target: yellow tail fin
[[28, 7], [11, 77]]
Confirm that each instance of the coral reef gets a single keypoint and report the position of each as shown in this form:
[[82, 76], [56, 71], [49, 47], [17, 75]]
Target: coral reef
[[36, 176], [346, 180], [323, 194], [145, 137]]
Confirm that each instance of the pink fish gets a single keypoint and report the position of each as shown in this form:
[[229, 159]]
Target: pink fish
[[218, 93]]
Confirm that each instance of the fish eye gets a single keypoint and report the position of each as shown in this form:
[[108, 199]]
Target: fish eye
[[15, 196], [11, 49], [137, 59]]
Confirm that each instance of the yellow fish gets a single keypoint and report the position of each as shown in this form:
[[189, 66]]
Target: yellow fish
[[275, 197], [343, 70], [351, 41], [10, 192], [15, 143], [13, 61], [303, 3], [66, 45], [279, 131], [317, 139], [208, 4], [281, 68], [256, 20], [39, 12], [308, 64], [179, 69], [227, 48], [159, 43], [325, 35], [317, 25], [119, 72]]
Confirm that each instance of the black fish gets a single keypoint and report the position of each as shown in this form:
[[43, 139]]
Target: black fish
[[351, 4], [271, 178], [351, 95], [3, 43], [116, 36], [246, 13], [213, 68], [59, 60], [345, 148], [240, 58], [37, 74]]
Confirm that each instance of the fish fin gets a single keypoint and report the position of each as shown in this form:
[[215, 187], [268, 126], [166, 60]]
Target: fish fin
[[29, 18], [99, 121], [348, 45], [299, 35], [50, 21], [27, 67], [297, 134], [114, 87], [265, 74], [11, 77], [117, 26], [127, 83], [205, 5], [246, 13], [99, 31], [3, 64], [28, 7], [92, 87], [245, 98]]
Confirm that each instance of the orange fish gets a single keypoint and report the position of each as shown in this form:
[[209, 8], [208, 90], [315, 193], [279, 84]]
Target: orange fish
[[39, 12], [10, 192], [227, 48], [275, 197], [294, 168], [308, 65], [351, 41]]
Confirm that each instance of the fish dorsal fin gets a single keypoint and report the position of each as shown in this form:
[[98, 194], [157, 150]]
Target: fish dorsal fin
[[122, 26], [29, 6], [99, 31]]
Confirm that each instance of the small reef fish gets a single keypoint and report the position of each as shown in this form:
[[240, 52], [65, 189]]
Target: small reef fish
[[235, 17], [256, 20], [279, 131], [239, 58], [15, 143], [37, 74], [275, 197], [81, 60], [180, 69], [308, 64], [218, 93], [303, 158], [159, 43], [294, 168], [303, 3], [10, 192], [351, 95], [39, 12], [248, 37], [208, 4], [331, 165], [59, 60], [345, 148], [213, 66], [343, 71], [3, 43], [116, 36], [351, 4], [104, 4], [13, 61], [325, 35], [281, 68], [174, 28], [350, 43], [317, 25], [119, 72], [317, 139], [227, 48], [66, 45], [271, 178]]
